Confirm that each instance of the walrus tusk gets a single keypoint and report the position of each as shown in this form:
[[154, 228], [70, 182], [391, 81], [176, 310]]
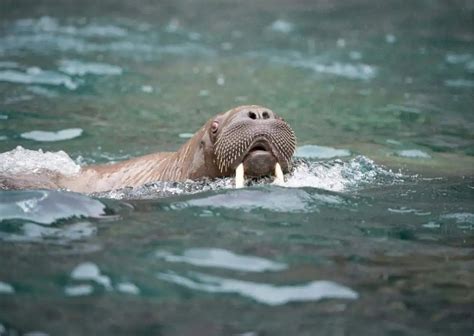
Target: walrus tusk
[[278, 175], [239, 176]]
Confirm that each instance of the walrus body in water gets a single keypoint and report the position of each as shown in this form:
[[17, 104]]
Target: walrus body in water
[[247, 140]]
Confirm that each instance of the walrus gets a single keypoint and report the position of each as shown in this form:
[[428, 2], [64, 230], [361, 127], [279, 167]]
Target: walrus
[[248, 140]]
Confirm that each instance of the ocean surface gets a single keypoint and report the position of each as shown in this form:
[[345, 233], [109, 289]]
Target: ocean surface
[[372, 232]]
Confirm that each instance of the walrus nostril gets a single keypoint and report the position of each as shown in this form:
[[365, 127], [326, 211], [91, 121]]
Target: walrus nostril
[[265, 115], [252, 115]]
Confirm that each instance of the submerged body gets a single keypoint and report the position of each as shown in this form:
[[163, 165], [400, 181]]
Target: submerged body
[[247, 140]]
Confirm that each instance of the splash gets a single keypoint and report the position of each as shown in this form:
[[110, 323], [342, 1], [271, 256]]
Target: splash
[[333, 175], [25, 161], [338, 175]]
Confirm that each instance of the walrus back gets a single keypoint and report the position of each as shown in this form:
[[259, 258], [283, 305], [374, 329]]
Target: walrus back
[[40, 180]]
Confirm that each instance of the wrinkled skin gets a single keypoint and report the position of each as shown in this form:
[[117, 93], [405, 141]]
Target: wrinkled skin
[[250, 135]]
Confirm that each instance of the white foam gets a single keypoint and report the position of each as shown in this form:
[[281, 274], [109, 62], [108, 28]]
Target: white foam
[[264, 293], [320, 152], [6, 288], [220, 258], [282, 26], [186, 135], [78, 290], [390, 38], [79, 68], [25, 161], [36, 75], [47, 136], [90, 271], [336, 175], [413, 153], [431, 225], [405, 210], [128, 288], [147, 88]]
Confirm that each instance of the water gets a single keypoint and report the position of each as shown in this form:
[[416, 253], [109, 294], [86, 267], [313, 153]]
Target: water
[[371, 234]]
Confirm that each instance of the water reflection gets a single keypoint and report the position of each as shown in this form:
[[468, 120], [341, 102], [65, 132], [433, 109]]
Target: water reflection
[[6, 288], [220, 258], [263, 293], [47, 206]]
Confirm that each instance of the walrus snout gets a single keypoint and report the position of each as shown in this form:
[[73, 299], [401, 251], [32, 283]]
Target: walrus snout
[[256, 138]]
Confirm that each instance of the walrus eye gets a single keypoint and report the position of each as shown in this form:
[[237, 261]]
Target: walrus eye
[[214, 126]]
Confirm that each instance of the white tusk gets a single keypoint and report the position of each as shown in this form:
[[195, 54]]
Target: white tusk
[[239, 176], [278, 175]]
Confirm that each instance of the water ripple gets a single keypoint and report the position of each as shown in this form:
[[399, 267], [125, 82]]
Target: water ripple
[[46, 207], [261, 292], [220, 258]]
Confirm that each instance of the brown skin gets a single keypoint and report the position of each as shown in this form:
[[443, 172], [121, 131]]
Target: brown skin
[[264, 139]]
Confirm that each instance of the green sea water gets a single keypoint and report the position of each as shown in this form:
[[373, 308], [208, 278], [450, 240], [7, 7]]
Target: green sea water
[[371, 235]]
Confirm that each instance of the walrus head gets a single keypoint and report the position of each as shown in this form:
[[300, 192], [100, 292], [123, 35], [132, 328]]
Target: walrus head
[[250, 138]]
